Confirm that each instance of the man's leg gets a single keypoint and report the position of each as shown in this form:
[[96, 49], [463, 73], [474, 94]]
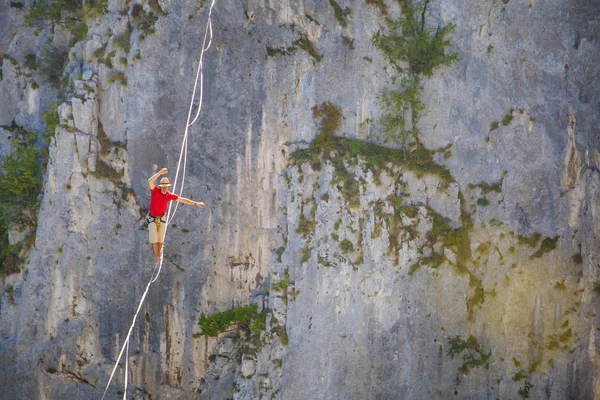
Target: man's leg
[[161, 238], [153, 239], [160, 246], [156, 247]]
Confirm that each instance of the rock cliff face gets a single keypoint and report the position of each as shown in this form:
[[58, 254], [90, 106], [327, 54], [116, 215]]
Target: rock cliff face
[[470, 271]]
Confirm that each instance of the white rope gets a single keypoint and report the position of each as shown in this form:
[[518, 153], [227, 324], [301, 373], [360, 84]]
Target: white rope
[[182, 155], [126, 371], [208, 33]]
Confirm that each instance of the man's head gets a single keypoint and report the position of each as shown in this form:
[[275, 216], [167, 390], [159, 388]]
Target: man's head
[[164, 185]]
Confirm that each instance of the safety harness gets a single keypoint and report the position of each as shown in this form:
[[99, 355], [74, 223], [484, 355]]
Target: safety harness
[[157, 220]]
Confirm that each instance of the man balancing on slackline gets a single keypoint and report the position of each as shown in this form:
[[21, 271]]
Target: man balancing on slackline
[[159, 200]]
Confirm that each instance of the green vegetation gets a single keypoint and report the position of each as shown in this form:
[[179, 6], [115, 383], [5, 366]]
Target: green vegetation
[[105, 143], [395, 225], [348, 42], [48, 11], [346, 246], [483, 202], [560, 340], [99, 52], [302, 42], [305, 253], [471, 354], [560, 286], [322, 261], [495, 223], [157, 8], [548, 244], [337, 224], [307, 226], [10, 260], [73, 14], [305, 44], [123, 41], [107, 60], [31, 62], [478, 297], [282, 334], [524, 391], [51, 120], [282, 285], [409, 42], [79, 29], [279, 253], [494, 125], [330, 116], [143, 20], [10, 290], [16, 4], [530, 241], [280, 51], [424, 51], [21, 179], [380, 4], [117, 76], [508, 118], [489, 187], [52, 63], [402, 107], [527, 385], [458, 239], [103, 169], [483, 248], [343, 153], [340, 14], [247, 318]]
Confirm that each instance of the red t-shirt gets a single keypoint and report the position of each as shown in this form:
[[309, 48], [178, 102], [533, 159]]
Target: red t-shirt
[[159, 201]]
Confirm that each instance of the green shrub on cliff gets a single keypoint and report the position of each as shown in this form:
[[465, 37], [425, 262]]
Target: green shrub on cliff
[[64, 11], [470, 352], [410, 44], [20, 178], [21, 181], [247, 318]]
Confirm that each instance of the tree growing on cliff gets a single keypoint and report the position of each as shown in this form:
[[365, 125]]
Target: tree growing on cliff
[[21, 181], [415, 52]]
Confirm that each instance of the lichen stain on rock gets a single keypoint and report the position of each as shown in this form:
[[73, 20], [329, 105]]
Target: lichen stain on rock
[[573, 162]]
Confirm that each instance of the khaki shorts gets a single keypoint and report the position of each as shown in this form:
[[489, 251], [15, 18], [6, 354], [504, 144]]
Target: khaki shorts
[[157, 234]]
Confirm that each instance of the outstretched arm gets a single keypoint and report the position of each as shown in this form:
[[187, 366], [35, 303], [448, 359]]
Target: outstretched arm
[[155, 177], [190, 202]]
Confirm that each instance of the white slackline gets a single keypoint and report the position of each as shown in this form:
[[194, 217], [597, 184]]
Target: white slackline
[[208, 32]]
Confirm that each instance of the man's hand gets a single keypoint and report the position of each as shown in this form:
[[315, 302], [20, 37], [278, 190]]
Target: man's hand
[[155, 177], [200, 204]]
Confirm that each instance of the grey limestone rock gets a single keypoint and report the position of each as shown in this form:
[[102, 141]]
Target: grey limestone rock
[[377, 288]]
